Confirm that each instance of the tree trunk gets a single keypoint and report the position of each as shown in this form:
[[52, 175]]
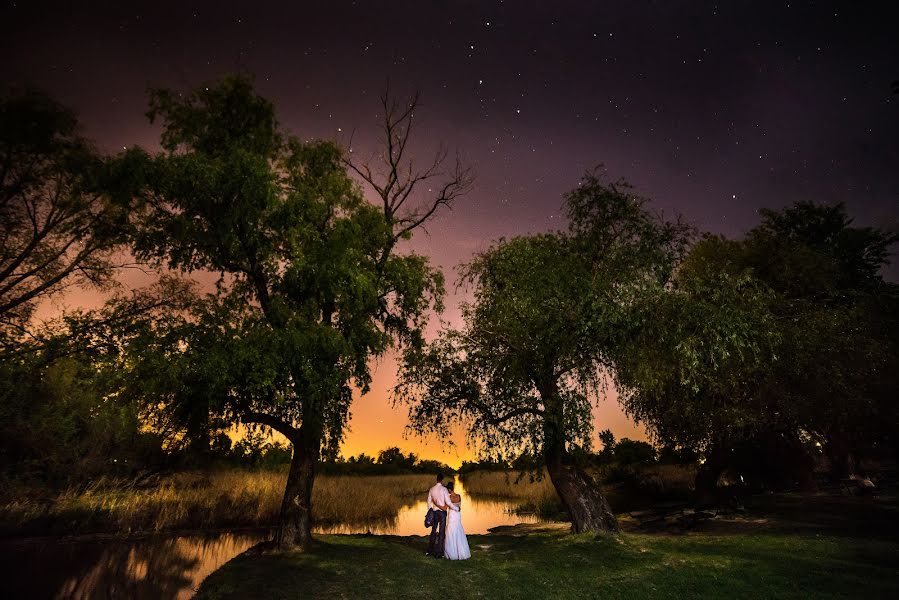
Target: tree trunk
[[839, 452], [706, 482], [295, 520], [588, 508]]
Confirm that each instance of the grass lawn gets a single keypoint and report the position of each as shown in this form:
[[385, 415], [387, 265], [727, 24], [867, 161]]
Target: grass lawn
[[559, 565]]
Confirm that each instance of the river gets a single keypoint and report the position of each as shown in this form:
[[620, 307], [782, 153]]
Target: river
[[166, 566]]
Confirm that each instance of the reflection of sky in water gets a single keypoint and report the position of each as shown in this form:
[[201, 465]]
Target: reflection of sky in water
[[477, 517], [159, 567]]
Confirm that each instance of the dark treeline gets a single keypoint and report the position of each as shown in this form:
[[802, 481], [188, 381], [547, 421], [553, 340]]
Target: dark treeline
[[623, 454], [765, 354], [258, 451]]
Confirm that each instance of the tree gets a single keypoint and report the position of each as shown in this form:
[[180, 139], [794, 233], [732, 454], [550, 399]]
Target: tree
[[838, 325], [551, 315], [312, 283], [823, 355], [607, 438], [689, 374], [633, 452], [63, 207], [63, 412]]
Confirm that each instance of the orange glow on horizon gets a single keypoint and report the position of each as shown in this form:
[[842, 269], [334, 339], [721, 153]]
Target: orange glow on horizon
[[375, 424]]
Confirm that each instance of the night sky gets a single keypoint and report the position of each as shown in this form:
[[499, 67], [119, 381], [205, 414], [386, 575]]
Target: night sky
[[710, 109]]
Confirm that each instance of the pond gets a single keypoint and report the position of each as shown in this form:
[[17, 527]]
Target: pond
[[165, 566]]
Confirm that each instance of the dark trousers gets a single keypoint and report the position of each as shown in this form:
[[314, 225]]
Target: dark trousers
[[438, 534]]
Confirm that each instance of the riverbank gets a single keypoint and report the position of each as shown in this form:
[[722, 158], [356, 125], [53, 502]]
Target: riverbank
[[200, 501], [238, 498], [825, 545], [556, 565]]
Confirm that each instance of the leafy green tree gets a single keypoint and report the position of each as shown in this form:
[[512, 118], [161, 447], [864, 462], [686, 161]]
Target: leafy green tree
[[63, 208], [395, 458], [838, 322], [825, 349], [63, 416], [552, 314], [312, 283], [607, 439], [633, 452]]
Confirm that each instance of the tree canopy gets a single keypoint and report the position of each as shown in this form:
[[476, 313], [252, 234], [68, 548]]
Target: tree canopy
[[312, 284], [830, 355], [64, 207]]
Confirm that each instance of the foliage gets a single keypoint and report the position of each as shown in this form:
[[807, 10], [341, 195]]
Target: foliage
[[808, 284], [551, 315], [64, 416], [65, 223], [634, 452], [312, 288], [57, 427], [64, 208], [389, 461]]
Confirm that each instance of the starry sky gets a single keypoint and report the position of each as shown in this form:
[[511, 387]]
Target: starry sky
[[711, 109]]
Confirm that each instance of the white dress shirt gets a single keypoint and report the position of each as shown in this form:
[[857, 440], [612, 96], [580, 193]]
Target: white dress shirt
[[439, 496]]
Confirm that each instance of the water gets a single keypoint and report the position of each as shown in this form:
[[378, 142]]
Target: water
[[160, 567], [477, 517]]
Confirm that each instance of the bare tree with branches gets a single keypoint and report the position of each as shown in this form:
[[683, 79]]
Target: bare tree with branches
[[394, 177]]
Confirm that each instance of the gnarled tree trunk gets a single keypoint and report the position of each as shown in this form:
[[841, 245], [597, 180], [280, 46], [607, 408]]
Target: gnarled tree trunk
[[588, 508], [839, 453], [294, 530], [706, 482]]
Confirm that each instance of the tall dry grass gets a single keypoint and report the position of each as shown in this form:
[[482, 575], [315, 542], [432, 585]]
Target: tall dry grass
[[196, 500], [507, 485], [636, 489], [532, 493]]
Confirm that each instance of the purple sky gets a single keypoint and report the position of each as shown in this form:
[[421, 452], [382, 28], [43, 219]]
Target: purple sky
[[711, 110]]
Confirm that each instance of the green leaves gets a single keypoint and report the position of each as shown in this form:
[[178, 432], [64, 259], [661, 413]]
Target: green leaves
[[553, 315], [311, 286], [785, 330], [64, 207]]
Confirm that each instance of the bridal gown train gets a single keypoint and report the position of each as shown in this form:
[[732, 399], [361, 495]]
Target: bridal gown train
[[456, 545]]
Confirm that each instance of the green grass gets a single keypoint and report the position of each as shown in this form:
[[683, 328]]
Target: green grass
[[557, 565]]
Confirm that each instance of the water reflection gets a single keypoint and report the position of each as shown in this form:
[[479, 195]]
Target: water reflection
[[477, 517], [162, 567], [151, 568]]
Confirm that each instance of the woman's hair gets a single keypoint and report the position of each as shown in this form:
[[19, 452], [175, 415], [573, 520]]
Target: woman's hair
[[450, 486]]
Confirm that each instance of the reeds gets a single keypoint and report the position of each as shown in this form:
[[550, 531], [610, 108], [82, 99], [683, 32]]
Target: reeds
[[533, 492], [220, 499], [508, 485]]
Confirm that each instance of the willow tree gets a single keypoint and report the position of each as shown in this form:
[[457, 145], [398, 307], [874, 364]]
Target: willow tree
[[691, 374], [312, 286], [810, 293], [539, 341], [63, 208]]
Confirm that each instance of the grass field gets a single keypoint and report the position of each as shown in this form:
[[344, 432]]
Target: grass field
[[823, 545], [194, 500], [558, 565]]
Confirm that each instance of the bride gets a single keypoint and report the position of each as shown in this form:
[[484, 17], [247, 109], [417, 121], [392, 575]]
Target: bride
[[456, 545]]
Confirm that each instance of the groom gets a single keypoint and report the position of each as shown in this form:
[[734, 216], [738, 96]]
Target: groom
[[438, 499]]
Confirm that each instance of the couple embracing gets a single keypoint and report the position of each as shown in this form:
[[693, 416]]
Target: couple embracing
[[445, 512]]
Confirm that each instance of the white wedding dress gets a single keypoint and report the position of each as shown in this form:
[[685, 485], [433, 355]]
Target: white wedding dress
[[456, 545]]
